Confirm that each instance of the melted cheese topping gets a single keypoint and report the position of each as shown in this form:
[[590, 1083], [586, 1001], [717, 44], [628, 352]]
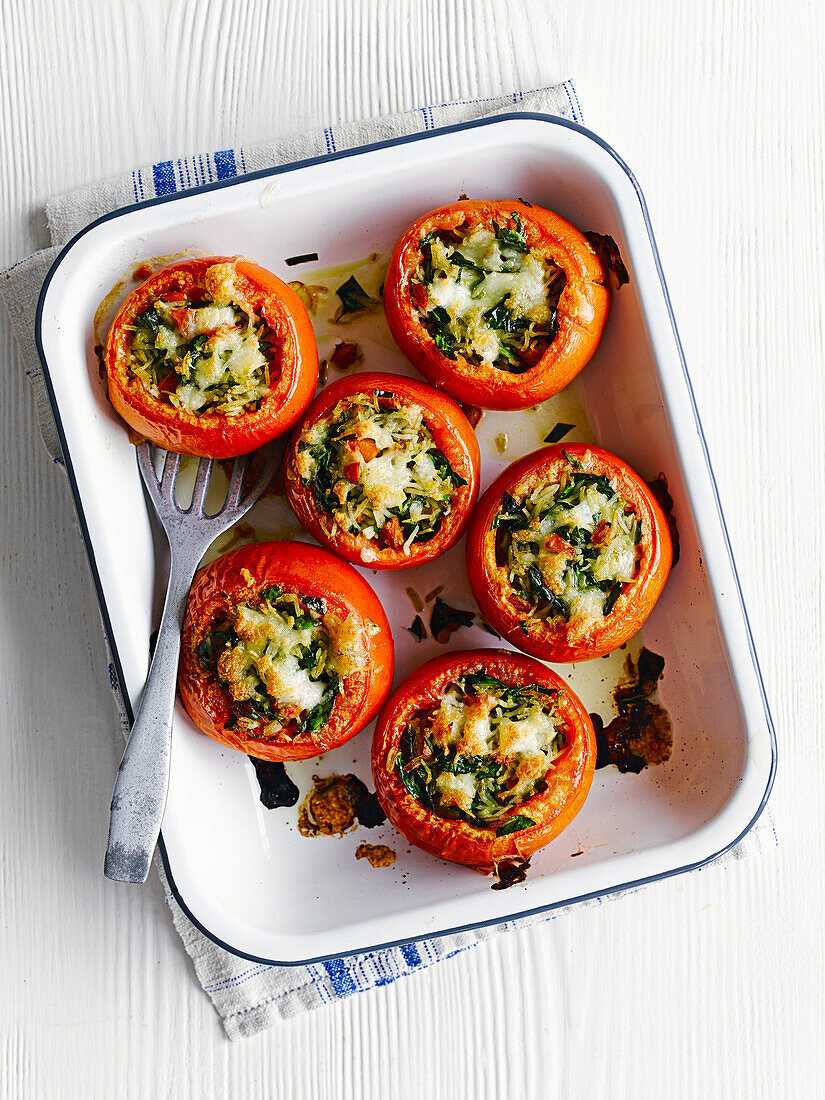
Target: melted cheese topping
[[378, 471], [488, 299], [203, 357], [486, 748], [570, 548], [282, 663]]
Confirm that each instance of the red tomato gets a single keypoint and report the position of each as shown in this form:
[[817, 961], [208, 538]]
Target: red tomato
[[293, 364], [455, 839], [580, 317], [509, 613], [308, 572], [452, 434]]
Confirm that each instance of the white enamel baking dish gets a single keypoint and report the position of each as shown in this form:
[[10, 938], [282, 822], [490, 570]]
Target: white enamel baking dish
[[244, 874]]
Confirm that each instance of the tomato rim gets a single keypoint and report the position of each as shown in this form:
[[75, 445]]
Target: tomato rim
[[491, 587], [308, 571], [215, 435], [456, 840], [453, 435], [581, 315]]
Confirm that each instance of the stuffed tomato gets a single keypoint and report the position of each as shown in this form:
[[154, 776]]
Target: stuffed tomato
[[383, 470], [286, 651], [211, 357], [483, 757], [499, 303], [567, 553]]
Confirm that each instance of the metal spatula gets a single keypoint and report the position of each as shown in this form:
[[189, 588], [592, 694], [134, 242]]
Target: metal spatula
[[142, 782]]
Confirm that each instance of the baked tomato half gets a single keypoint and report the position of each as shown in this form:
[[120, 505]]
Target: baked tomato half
[[483, 757], [286, 651], [499, 303], [212, 357], [383, 470], [567, 553]]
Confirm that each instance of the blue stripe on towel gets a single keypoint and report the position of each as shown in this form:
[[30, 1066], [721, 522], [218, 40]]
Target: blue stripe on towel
[[410, 953], [225, 164], [163, 175], [340, 977]]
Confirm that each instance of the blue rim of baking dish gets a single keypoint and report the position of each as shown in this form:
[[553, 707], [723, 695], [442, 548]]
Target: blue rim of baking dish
[[279, 170]]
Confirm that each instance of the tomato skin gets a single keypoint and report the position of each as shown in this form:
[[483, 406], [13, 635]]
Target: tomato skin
[[581, 316], [495, 595], [308, 571], [452, 434], [214, 435], [456, 840]]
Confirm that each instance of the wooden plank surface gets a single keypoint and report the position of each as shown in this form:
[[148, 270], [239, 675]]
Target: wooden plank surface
[[706, 986]]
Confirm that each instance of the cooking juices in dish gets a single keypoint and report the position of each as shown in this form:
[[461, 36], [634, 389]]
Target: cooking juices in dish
[[383, 470], [567, 553], [499, 303], [286, 651], [211, 357], [483, 757]]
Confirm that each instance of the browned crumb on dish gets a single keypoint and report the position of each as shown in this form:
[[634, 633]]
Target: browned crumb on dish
[[417, 629], [445, 620], [312, 295], [659, 487], [415, 599], [336, 805], [345, 355], [509, 872], [328, 809], [642, 733], [354, 301], [304, 258], [607, 250], [379, 855]]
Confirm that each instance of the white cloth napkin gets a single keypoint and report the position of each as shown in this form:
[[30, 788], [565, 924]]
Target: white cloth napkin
[[251, 996]]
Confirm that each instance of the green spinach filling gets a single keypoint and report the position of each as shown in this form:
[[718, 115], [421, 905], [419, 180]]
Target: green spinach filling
[[202, 356], [487, 296], [376, 469], [569, 546], [278, 657], [486, 749]]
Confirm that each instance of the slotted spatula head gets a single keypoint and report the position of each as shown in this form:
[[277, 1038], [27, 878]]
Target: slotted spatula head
[[192, 522], [142, 780]]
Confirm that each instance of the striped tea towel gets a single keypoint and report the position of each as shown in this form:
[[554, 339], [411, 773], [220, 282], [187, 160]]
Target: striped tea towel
[[252, 996]]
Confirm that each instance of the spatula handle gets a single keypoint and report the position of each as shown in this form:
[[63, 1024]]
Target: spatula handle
[[142, 783]]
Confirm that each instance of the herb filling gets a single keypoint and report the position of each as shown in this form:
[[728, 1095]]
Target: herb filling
[[485, 749], [487, 296], [209, 356], [283, 660], [569, 547], [376, 469]]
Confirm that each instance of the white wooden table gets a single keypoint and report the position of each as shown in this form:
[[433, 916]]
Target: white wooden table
[[710, 985]]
